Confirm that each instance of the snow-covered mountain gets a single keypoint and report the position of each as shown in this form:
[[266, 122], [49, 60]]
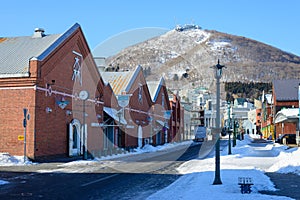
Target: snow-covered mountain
[[184, 57]]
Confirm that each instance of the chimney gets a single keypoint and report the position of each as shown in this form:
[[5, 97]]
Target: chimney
[[38, 33]]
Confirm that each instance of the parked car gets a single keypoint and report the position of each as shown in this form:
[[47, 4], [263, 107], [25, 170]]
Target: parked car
[[200, 134], [289, 139]]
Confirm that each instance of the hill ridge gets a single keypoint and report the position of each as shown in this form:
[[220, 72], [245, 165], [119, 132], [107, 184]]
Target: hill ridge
[[189, 54]]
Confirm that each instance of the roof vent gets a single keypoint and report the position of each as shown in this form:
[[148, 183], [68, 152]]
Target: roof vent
[[38, 33]]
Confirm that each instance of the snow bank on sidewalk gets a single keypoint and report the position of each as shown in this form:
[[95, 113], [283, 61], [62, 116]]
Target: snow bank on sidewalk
[[8, 160], [198, 176], [289, 162]]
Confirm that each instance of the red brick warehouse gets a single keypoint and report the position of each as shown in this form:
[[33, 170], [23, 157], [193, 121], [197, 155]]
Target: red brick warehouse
[[44, 73]]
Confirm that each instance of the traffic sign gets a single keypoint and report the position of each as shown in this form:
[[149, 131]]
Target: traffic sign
[[25, 112], [24, 123], [123, 100], [21, 137]]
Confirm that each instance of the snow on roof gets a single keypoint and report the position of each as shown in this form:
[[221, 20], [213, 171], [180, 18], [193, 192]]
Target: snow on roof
[[287, 114]]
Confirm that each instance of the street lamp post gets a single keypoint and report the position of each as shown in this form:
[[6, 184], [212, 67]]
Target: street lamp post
[[218, 75], [234, 133], [298, 132], [228, 128], [84, 95]]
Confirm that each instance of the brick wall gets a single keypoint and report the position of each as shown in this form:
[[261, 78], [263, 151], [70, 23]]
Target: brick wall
[[47, 133], [11, 119]]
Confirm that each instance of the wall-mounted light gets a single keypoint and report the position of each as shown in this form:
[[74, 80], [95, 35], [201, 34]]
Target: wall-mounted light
[[98, 116], [48, 110], [68, 112], [62, 103]]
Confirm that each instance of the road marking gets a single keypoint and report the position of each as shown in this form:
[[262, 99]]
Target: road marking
[[98, 180]]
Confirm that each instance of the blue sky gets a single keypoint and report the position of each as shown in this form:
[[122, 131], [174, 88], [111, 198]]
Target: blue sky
[[273, 22]]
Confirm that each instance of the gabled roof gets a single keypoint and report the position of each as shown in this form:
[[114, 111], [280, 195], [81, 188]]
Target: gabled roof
[[154, 88], [286, 90], [120, 81], [16, 52]]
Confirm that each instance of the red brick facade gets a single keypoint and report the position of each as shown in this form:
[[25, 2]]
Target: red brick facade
[[160, 126], [54, 131], [47, 133], [290, 101], [177, 121]]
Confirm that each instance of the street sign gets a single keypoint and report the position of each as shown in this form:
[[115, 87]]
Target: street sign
[[21, 137], [24, 123], [25, 112], [123, 100]]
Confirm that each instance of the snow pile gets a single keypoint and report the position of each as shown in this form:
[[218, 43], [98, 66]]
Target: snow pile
[[149, 148], [289, 162], [247, 160], [199, 185], [198, 175], [8, 160]]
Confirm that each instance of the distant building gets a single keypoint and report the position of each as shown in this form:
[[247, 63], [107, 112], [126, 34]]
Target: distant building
[[285, 98], [100, 62], [266, 116]]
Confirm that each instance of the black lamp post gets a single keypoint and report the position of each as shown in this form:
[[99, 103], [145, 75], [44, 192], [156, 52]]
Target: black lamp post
[[228, 128], [234, 130], [84, 95], [218, 75]]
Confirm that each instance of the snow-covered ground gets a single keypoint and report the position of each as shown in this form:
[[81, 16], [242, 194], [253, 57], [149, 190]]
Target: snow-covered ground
[[246, 160]]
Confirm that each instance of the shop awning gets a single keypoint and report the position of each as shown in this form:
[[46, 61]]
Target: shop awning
[[114, 114]]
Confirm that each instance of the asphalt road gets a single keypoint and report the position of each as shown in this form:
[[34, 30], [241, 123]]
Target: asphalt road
[[287, 185], [132, 177]]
